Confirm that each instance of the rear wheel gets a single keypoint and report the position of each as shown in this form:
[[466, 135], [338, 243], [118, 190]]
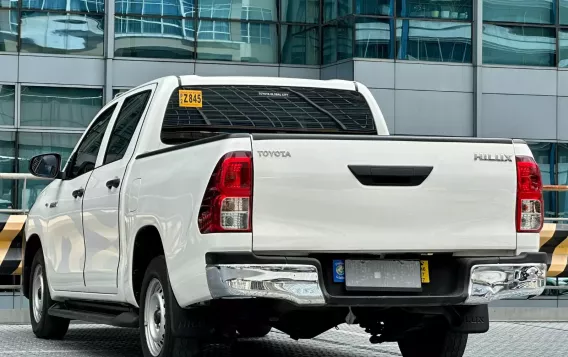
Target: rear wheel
[[253, 331], [43, 325], [433, 342], [155, 329]]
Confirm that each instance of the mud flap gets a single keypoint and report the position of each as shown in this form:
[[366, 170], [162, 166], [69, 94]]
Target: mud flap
[[472, 319], [188, 322]]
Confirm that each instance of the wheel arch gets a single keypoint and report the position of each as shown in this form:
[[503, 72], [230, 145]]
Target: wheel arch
[[33, 245], [147, 246]]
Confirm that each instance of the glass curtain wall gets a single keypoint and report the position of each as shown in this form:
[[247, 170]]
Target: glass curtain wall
[[252, 31], [418, 30], [525, 33], [72, 27], [51, 120]]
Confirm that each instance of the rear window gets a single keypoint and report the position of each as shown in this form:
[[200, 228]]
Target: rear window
[[198, 112]]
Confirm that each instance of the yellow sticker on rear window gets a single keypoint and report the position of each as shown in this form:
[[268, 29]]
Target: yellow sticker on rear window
[[190, 98], [424, 271]]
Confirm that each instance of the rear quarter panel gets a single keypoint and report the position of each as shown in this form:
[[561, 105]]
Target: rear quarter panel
[[166, 192]]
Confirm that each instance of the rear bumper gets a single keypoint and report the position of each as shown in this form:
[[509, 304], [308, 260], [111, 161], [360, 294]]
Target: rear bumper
[[302, 281]]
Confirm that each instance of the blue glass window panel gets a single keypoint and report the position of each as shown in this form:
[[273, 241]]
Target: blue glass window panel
[[7, 105], [374, 38], [9, 23], [434, 9], [337, 42], [59, 107], [60, 33], [154, 37], [300, 44], [92, 6], [433, 41], [155, 7], [545, 156], [519, 45], [374, 7], [45, 4], [300, 11], [520, 11], [238, 42]]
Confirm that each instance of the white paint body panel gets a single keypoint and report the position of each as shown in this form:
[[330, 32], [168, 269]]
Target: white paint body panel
[[312, 202], [309, 202]]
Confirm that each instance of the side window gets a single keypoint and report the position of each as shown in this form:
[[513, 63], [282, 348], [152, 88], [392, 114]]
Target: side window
[[85, 157], [125, 125]]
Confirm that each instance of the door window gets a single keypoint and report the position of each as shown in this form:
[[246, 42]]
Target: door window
[[125, 125], [85, 157]]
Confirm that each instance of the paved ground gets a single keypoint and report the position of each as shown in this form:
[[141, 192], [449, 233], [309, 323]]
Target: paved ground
[[503, 340]]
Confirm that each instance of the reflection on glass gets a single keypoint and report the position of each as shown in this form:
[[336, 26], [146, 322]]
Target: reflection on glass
[[337, 42], [374, 7], [303, 11], [7, 164], [45, 32], [300, 44], [544, 155], [458, 9], [7, 105], [59, 107], [329, 10], [344, 7], [117, 91], [184, 8], [563, 48], [93, 6], [521, 11], [237, 41], [8, 4], [519, 45], [8, 30], [373, 38], [154, 37], [562, 167], [563, 15], [32, 144], [433, 41], [562, 283]]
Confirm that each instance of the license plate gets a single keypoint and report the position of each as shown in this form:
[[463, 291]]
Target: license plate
[[384, 275]]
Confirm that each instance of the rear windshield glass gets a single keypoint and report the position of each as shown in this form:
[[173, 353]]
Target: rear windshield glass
[[197, 112]]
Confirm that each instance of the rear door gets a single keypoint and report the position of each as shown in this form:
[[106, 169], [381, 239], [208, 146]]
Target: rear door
[[381, 194], [102, 196]]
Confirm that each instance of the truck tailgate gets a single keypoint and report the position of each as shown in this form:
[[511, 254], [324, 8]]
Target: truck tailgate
[[382, 194]]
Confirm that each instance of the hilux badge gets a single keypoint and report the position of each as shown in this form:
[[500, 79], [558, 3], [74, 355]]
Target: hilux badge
[[493, 157]]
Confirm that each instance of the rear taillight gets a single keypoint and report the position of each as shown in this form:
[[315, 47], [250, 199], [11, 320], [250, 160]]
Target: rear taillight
[[529, 195], [226, 205]]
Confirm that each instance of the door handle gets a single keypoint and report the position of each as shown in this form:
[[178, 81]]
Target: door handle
[[113, 183], [78, 193]]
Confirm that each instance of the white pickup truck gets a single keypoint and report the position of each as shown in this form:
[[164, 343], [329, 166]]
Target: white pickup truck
[[206, 209]]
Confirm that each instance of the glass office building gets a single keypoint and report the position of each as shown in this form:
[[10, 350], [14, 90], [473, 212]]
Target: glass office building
[[487, 68]]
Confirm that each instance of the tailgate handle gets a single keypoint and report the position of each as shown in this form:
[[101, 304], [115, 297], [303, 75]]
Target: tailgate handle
[[390, 175]]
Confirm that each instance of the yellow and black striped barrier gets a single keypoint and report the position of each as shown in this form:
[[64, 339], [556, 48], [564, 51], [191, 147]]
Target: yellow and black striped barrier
[[11, 244], [553, 240]]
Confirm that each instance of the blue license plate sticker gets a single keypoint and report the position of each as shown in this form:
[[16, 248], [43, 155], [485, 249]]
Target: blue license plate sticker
[[338, 271]]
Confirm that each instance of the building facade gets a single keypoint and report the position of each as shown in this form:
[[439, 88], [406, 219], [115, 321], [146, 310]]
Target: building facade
[[487, 68]]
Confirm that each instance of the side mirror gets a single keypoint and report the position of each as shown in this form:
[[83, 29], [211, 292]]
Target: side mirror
[[46, 165]]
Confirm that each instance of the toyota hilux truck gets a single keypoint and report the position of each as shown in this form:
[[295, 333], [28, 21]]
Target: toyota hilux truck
[[206, 209]]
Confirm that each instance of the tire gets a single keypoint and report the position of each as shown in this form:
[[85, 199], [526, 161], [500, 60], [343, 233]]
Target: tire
[[43, 325], [433, 342], [155, 329], [254, 331]]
